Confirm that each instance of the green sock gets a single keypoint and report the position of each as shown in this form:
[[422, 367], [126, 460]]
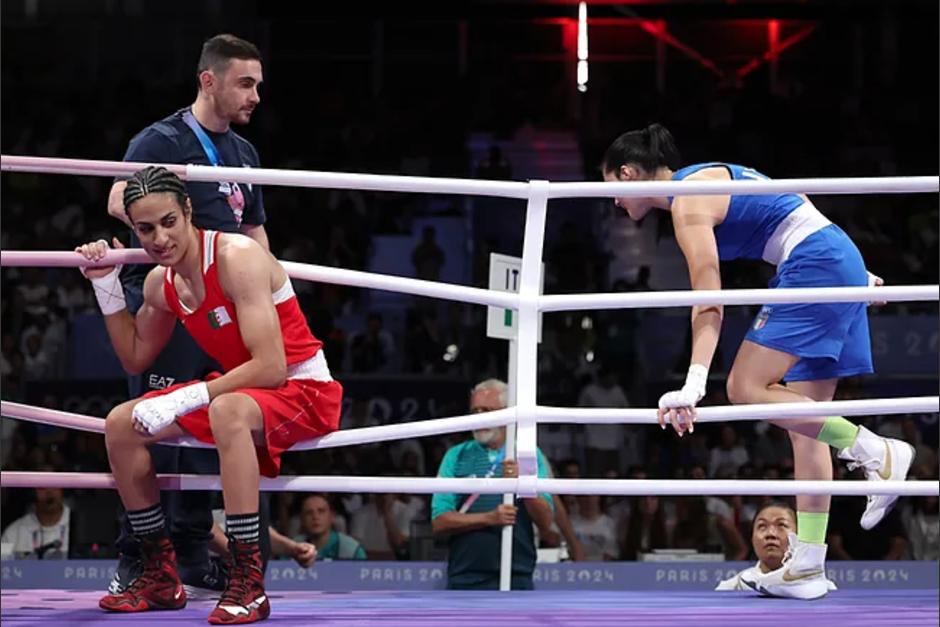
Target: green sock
[[811, 526], [838, 432]]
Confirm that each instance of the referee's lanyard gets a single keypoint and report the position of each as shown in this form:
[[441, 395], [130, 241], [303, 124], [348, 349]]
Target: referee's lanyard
[[489, 474], [231, 191], [497, 461]]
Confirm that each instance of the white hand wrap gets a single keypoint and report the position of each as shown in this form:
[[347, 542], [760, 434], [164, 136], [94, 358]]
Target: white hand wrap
[[108, 289], [691, 393], [109, 292], [873, 281], [158, 412]]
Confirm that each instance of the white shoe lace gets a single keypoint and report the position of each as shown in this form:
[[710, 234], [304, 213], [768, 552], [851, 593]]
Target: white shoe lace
[[868, 464]]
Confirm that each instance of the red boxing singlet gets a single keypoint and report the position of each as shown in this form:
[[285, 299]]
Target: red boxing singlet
[[214, 324], [309, 401]]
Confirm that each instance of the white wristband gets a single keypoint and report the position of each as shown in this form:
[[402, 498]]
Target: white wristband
[[873, 282], [696, 380], [109, 292], [190, 398]]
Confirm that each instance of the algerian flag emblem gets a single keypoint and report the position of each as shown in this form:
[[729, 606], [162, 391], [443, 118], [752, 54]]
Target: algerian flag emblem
[[218, 317]]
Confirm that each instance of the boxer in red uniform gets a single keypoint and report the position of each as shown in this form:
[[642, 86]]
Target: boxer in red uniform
[[238, 304]]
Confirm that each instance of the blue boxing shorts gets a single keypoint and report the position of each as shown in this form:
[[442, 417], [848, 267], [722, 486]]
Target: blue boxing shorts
[[831, 339]]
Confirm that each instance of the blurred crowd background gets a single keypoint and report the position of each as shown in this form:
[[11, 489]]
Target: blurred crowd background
[[485, 89]]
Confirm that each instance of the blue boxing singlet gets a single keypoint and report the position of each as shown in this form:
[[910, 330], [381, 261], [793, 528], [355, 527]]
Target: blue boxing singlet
[[831, 339], [751, 219]]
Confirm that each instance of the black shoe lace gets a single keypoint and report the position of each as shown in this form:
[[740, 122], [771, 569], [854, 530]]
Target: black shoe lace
[[240, 570], [148, 577], [237, 589]]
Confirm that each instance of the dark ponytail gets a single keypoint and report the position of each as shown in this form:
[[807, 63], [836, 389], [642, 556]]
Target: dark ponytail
[[154, 180], [650, 149]]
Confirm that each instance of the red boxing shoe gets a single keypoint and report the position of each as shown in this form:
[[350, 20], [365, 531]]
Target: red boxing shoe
[[244, 599], [157, 588]]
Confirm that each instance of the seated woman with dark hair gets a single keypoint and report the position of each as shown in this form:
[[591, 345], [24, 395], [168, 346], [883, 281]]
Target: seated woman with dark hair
[[773, 525]]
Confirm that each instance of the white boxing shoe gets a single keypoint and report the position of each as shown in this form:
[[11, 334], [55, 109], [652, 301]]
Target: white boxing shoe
[[802, 575], [884, 459]]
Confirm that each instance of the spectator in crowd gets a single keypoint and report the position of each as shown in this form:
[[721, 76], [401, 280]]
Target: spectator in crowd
[[339, 254], [924, 455], [301, 551], [372, 349], [424, 344], [316, 525], [769, 446], [283, 514], [473, 523], [382, 526], [772, 527], [569, 469], [34, 292], [494, 166], [922, 523], [725, 459], [595, 530], [562, 523], [642, 282], [415, 506], [643, 522], [604, 443], [73, 295], [569, 261], [573, 547], [7, 349], [706, 524], [44, 532], [37, 364], [408, 456], [427, 257], [646, 528]]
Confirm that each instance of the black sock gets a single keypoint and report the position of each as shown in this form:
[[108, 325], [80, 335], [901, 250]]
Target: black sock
[[244, 528], [148, 523]]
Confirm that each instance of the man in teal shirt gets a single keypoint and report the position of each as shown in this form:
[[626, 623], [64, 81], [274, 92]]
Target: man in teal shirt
[[474, 526]]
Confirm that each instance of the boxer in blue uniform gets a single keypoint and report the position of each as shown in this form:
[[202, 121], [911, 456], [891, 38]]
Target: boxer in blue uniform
[[809, 347]]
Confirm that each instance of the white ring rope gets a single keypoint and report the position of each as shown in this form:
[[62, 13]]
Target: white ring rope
[[269, 176], [308, 272], [79, 167], [723, 413], [418, 287], [344, 437], [545, 415], [509, 300], [432, 185], [430, 485], [529, 303], [688, 298], [857, 185], [69, 259]]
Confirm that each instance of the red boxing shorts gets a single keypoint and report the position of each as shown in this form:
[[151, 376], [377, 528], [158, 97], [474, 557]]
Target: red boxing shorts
[[300, 409]]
